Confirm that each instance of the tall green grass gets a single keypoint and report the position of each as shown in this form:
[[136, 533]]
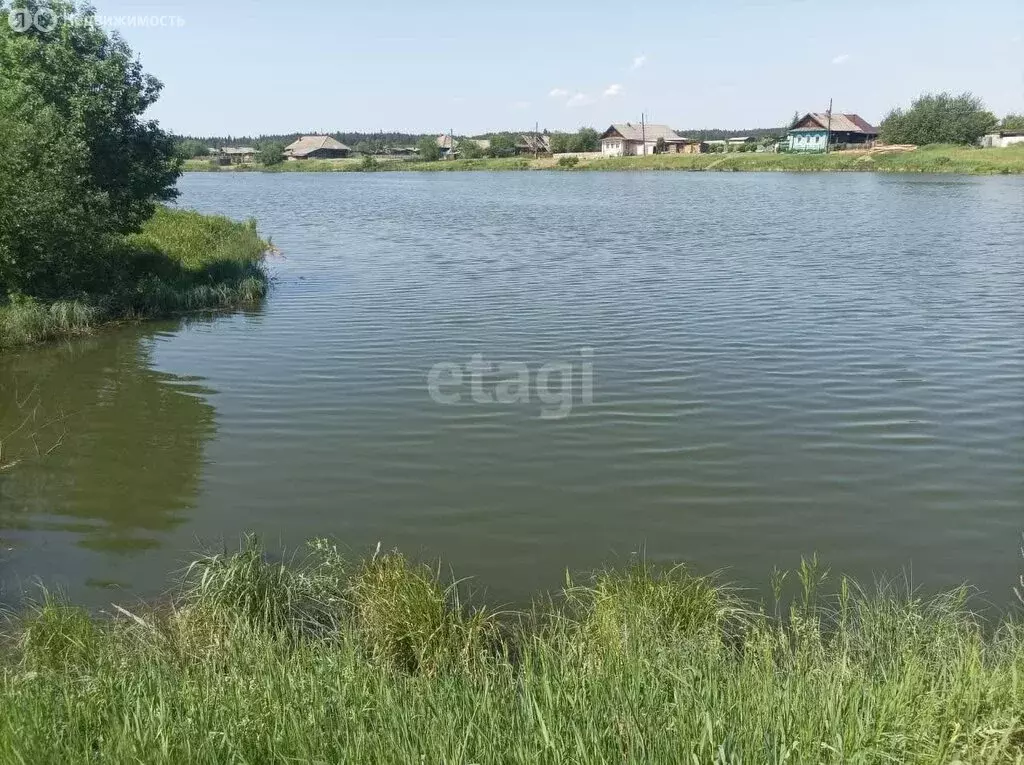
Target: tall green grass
[[327, 659], [181, 262]]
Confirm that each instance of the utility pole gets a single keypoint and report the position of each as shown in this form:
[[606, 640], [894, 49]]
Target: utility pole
[[643, 132], [536, 140], [828, 130]]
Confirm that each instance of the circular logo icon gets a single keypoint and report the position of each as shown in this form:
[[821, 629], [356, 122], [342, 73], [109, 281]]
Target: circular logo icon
[[45, 20], [20, 19]]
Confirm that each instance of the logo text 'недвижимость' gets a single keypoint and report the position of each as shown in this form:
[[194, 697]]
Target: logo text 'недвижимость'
[[44, 19]]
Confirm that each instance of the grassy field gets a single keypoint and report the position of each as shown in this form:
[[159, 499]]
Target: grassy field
[[180, 262], [927, 159], [329, 660]]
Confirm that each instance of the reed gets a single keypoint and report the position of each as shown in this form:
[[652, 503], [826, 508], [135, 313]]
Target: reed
[[326, 659], [181, 262]]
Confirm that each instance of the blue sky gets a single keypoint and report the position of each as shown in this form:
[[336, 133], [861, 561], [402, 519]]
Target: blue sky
[[260, 67]]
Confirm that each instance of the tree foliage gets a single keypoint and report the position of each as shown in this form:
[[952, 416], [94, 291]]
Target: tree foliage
[[586, 139], [79, 164], [502, 145], [428, 149], [938, 118], [190, 148], [469, 149], [271, 153], [1012, 122]]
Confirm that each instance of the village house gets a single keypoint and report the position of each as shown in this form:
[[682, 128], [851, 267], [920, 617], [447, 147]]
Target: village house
[[814, 131], [447, 146], [1002, 138], [234, 155], [629, 140], [316, 147], [734, 143], [533, 144]]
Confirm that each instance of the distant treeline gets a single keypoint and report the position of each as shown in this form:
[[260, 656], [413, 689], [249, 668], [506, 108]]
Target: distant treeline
[[714, 134]]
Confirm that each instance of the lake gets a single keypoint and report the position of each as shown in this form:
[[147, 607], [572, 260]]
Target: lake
[[521, 373]]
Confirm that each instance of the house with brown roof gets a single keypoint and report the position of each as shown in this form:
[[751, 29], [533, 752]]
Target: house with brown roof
[[447, 146], [316, 147], [625, 139], [815, 131]]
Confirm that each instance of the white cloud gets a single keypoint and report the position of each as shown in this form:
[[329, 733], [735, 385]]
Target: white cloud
[[612, 90], [558, 93], [580, 99], [842, 58], [639, 61]]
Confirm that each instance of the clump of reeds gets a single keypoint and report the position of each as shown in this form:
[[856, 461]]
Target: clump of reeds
[[319, 658]]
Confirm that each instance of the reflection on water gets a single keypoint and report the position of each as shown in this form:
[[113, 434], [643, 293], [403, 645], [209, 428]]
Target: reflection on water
[[104, 446], [783, 364]]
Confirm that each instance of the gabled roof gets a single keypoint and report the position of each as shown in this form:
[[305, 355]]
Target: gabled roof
[[310, 143], [446, 141], [237, 150], [631, 132], [529, 142], [841, 123]]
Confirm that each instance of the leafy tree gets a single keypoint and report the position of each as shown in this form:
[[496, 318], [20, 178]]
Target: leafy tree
[[428, 149], [502, 145], [190, 148], [659, 145], [271, 153], [938, 118], [79, 164], [587, 139], [1012, 122], [469, 149], [559, 143]]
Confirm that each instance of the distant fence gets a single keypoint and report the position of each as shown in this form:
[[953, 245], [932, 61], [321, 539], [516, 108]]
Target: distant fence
[[580, 154]]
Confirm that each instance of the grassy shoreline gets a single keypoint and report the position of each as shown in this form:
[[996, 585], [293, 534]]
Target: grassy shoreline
[[328, 659], [181, 262], [927, 159]]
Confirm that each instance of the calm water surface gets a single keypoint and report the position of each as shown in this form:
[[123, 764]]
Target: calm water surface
[[783, 364]]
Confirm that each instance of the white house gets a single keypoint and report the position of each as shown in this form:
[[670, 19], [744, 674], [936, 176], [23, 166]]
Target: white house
[[629, 140], [1002, 139]]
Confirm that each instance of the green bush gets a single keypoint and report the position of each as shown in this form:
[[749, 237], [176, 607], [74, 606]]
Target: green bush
[[79, 162], [271, 153], [938, 118], [569, 161], [429, 151]]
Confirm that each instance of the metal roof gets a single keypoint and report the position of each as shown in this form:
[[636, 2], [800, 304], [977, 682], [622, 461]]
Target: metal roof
[[311, 143], [631, 132], [841, 123]]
